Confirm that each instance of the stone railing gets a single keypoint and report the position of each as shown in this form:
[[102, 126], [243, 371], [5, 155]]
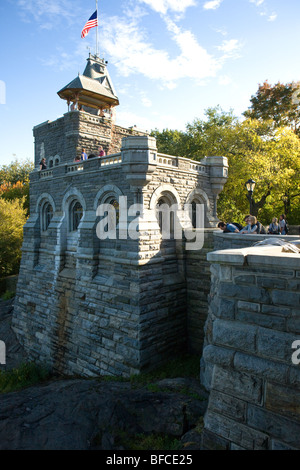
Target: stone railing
[[75, 167], [46, 174], [190, 165], [113, 159], [163, 159]]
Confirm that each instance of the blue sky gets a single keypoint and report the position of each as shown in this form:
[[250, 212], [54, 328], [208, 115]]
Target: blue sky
[[169, 60]]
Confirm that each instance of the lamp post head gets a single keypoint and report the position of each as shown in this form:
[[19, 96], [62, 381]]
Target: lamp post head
[[250, 185]]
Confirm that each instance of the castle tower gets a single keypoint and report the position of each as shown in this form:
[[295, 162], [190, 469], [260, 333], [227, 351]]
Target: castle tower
[[93, 90], [89, 122]]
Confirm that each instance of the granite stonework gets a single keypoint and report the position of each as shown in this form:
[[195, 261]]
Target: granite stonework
[[60, 141], [93, 306], [253, 321]]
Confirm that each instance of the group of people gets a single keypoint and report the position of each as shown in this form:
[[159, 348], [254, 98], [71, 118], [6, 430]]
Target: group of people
[[254, 226], [278, 227], [84, 156]]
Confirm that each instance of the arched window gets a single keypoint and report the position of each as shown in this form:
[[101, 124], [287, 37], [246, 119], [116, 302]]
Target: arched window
[[46, 216], [115, 204], [76, 213], [166, 217]]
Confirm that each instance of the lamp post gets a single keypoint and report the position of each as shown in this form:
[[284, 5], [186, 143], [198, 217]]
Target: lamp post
[[250, 185]]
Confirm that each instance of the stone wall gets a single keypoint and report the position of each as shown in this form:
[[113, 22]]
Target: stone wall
[[198, 288], [112, 306], [61, 140], [254, 318]]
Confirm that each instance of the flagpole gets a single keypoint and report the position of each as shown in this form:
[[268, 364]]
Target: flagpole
[[97, 29]]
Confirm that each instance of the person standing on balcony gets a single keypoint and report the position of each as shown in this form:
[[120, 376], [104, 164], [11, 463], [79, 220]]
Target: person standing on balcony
[[83, 155], [101, 152], [43, 164]]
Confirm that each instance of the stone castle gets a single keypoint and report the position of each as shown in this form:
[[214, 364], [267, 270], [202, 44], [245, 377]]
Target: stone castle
[[111, 306], [91, 306]]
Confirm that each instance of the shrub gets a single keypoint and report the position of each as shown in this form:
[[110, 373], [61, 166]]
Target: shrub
[[12, 219], [27, 374]]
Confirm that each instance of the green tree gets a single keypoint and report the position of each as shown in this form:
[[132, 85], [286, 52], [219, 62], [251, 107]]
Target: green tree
[[14, 181], [12, 220], [170, 142], [211, 136], [279, 102], [16, 171], [255, 149]]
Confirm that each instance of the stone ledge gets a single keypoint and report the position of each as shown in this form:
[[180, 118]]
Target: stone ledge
[[266, 255]]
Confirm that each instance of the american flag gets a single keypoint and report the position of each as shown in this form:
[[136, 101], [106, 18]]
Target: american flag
[[91, 23]]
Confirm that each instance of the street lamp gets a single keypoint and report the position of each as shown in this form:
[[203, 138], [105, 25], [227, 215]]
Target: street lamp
[[250, 185]]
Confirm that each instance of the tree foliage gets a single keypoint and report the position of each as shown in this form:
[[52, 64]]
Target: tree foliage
[[12, 219], [170, 142], [14, 181], [16, 171], [279, 103], [255, 149]]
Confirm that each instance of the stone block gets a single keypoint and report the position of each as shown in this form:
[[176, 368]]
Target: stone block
[[225, 309], [277, 445], [276, 426], [254, 294], [211, 441], [283, 400], [275, 345], [235, 335], [245, 279], [294, 376], [271, 283], [267, 321], [234, 432], [249, 306], [227, 405], [289, 299], [264, 368], [218, 355], [276, 311], [293, 325], [238, 384]]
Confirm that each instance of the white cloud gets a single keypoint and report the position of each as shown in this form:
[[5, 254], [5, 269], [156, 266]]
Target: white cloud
[[257, 2], [163, 6], [230, 48], [47, 12], [212, 4], [132, 53], [272, 17]]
